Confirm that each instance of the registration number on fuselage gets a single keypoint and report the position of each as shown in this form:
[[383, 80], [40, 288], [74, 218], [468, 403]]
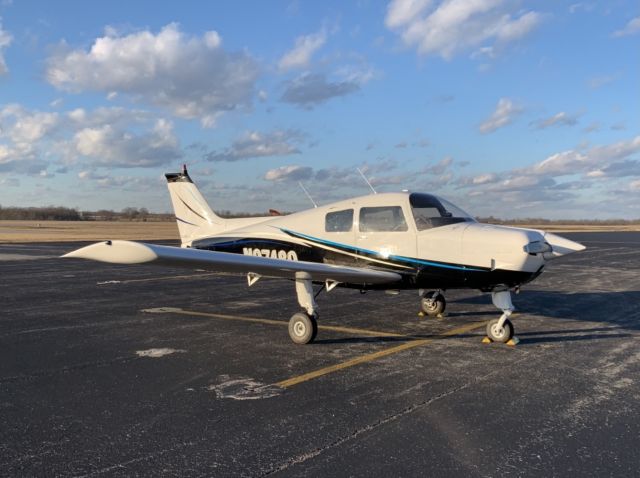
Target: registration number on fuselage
[[271, 253]]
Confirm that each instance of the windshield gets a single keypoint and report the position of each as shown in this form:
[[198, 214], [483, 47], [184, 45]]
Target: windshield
[[431, 211]]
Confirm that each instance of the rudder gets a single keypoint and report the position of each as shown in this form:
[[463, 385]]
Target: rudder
[[194, 216]]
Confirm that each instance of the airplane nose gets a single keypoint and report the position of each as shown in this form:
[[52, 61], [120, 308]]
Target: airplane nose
[[560, 246]]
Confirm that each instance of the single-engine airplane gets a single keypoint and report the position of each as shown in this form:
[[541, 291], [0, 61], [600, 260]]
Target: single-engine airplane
[[387, 241]]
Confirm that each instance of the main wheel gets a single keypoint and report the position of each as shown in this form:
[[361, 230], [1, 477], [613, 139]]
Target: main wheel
[[500, 334], [433, 306], [302, 328]]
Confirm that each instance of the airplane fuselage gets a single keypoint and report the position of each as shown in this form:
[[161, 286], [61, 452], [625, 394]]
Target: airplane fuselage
[[383, 231]]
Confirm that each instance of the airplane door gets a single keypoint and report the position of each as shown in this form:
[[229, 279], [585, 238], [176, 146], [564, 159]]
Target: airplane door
[[385, 231]]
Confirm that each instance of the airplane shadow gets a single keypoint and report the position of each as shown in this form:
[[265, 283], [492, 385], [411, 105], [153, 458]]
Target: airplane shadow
[[617, 308]]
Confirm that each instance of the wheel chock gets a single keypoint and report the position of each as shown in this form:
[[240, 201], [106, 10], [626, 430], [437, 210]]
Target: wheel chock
[[511, 343]]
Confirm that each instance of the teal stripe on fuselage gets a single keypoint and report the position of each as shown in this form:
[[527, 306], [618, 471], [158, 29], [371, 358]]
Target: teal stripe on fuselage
[[374, 253]]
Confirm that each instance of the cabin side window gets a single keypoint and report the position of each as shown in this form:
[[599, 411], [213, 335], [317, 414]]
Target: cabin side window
[[382, 219], [339, 221]]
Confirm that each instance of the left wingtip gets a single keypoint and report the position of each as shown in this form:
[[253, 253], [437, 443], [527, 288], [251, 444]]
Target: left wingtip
[[117, 252]]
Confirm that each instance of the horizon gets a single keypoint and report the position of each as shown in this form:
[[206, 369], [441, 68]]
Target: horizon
[[508, 109]]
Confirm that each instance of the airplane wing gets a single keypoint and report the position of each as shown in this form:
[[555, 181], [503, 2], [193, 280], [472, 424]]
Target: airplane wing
[[128, 252]]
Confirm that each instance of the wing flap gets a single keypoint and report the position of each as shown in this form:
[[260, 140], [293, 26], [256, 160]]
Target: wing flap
[[129, 252]]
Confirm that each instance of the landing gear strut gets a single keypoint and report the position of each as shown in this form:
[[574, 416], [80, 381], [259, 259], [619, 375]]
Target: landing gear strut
[[303, 326], [433, 303], [501, 330]]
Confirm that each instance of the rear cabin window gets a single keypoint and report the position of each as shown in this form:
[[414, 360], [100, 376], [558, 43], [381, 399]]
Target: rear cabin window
[[382, 219], [339, 221]]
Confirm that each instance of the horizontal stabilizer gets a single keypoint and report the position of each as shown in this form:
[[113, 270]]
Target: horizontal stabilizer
[[128, 252]]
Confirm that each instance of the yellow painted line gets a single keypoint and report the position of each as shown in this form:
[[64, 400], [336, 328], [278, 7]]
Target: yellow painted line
[[334, 328], [290, 382]]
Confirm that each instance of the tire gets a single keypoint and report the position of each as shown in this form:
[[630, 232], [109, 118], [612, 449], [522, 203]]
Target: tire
[[302, 328], [433, 307], [502, 335]]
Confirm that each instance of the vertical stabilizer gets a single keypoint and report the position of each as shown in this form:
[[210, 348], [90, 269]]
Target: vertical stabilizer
[[195, 217]]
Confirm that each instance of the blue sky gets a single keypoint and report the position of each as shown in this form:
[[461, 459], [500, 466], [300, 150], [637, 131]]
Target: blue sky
[[510, 108]]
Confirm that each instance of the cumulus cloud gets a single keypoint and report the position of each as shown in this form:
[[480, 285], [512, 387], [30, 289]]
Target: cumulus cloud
[[300, 55], [559, 119], [289, 173], [110, 146], [454, 26], [23, 126], [5, 41], [311, 89], [192, 77], [33, 141], [503, 115], [631, 28], [553, 179], [255, 145]]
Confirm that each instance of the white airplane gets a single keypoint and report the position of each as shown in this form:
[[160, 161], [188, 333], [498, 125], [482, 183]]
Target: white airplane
[[387, 241]]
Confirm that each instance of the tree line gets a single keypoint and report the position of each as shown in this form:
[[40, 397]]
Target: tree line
[[60, 213]]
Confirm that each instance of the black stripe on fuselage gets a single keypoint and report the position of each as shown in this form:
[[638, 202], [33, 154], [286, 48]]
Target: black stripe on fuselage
[[419, 276]]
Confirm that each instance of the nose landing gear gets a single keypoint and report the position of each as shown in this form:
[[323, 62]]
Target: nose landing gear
[[501, 330]]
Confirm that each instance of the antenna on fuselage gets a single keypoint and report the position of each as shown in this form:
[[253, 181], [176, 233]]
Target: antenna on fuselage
[[366, 181], [308, 195]]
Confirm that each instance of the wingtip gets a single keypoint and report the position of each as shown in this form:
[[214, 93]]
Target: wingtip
[[118, 252]]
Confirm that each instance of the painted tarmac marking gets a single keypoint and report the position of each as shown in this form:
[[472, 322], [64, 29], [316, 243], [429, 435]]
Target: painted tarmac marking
[[290, 382], [282, 323]]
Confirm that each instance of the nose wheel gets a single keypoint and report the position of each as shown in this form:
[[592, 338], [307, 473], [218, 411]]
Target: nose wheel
[[501, 330], [500, 333]]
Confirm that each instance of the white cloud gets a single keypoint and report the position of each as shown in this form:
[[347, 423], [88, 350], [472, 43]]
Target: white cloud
[[453, 26], [401, 12], [484, 178], [111, 146], [610, 159], [189, 76], [5, 41], [304, 48], [254, 144], [440, 167], [25, 126], [309, 90], [503, 115], [32, 141], [631, 28], [289, 173], [559, 119]]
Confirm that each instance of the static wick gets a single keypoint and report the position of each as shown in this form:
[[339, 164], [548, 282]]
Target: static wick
[[308, 195], [366, 181]]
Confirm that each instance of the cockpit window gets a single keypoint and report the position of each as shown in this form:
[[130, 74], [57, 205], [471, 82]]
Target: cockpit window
[[382, 219], [339, 221], [431, 211]]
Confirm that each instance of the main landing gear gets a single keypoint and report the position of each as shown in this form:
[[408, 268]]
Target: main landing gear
[[501, 330], [432, 303], [303, 326]]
